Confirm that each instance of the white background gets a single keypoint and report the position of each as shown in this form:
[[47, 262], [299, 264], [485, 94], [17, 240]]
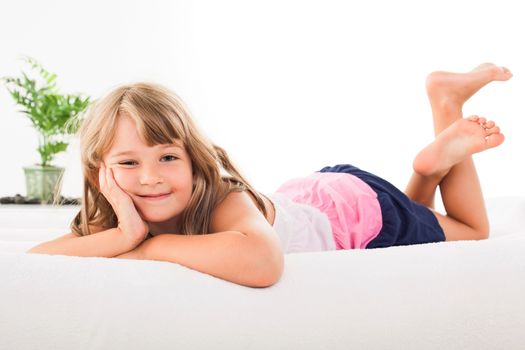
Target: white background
[[286, 87]]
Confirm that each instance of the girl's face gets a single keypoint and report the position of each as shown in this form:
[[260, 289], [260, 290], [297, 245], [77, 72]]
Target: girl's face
[[158, 179]]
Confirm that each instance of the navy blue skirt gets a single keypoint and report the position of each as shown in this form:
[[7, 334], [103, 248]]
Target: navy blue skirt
[[404, 220]]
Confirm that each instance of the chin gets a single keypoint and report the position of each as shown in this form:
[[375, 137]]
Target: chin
[[156, 217]]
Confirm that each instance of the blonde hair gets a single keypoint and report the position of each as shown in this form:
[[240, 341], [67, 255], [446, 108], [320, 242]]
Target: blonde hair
[[161, 117]]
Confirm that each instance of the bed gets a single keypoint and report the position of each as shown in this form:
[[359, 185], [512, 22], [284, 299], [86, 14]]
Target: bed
[[449, 295]]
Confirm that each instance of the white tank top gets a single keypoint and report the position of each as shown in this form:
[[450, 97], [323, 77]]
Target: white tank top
[[301, 227]]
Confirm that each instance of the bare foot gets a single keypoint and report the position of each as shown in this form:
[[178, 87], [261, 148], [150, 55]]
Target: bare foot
[[461, 139], [456, 88]]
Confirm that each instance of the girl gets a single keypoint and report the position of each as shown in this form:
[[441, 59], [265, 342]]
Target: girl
[[156, 188]]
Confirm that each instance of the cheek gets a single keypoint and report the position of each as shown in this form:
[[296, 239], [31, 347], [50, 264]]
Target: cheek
[[188, 180]]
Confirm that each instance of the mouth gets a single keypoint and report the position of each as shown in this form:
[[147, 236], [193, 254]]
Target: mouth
[[155, 197]]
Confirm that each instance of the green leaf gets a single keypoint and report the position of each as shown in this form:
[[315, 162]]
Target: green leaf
[[50, 112]]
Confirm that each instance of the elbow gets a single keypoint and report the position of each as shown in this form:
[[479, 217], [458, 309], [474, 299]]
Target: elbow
[[37, 251], [33, 250], [270, 271], [272, 278]]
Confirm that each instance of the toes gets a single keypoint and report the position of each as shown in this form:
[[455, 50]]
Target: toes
[[473, 118], [482, 120], [490, 124], [506, 71], [493, 130], [494, 140]]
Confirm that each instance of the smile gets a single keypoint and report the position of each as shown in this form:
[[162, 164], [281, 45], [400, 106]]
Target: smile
[[156, 197]]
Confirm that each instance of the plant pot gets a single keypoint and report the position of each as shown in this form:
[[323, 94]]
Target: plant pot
[[43, 182]]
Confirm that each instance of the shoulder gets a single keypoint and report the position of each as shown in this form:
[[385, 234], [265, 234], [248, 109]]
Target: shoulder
[[238, 211]]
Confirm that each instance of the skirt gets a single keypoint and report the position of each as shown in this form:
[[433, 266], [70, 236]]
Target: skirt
[[405, 221]]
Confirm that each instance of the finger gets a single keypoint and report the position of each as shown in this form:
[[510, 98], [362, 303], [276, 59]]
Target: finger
[[107, 184], [102, 177], [113, 188], [104, 185], [110, 181]]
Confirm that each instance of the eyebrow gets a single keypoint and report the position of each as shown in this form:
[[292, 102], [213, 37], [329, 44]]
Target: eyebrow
[[132, 152]]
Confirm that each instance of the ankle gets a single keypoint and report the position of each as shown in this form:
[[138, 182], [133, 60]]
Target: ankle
[[447, 105]]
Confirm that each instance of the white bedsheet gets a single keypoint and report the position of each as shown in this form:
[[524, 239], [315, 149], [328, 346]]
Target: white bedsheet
[[450, 295]]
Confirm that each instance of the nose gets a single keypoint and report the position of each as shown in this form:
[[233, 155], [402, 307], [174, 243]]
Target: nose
[[150, 175]]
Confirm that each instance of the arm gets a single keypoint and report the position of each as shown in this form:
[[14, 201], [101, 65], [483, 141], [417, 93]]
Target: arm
[[130, 232], [230, 255], [106, 243]]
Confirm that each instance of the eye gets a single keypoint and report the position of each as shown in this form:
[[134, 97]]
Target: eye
[[166, 158], [170, 157], [128, 162]]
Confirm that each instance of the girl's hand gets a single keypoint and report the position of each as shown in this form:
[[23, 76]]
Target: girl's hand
[[134, 228]]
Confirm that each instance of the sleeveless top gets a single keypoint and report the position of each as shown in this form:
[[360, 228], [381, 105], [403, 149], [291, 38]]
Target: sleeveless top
[[326, 211], [301, 227]]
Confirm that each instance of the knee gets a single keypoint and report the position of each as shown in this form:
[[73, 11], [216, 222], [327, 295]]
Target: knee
[[482, 232], [485, 235]]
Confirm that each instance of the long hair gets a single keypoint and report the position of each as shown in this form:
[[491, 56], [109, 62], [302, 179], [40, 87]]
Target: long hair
[[161, 118]]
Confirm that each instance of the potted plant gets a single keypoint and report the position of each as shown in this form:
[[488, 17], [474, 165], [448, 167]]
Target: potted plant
[[52, 114]]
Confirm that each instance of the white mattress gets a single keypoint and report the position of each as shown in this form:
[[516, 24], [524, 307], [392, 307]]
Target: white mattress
[[449, 295]]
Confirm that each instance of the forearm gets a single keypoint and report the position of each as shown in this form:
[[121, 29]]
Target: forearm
[[228, 255], [107, 244]]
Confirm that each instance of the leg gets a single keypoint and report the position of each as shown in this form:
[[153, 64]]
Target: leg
[[447, 93], [450, 156], [451, 166]]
